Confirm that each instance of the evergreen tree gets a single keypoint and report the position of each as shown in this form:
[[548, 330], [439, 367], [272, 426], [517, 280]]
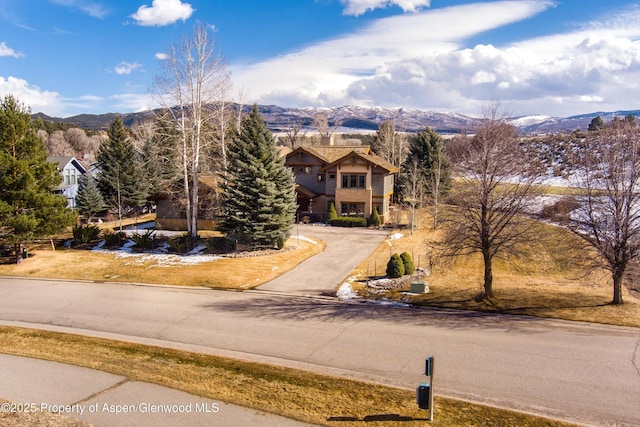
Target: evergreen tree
[[259, 201], [89, 200], [374, 219], [407, 262], [28, 206], [120, 180], [160, 156], [428, 149], [331, 212], [596, 123], [395, 267]]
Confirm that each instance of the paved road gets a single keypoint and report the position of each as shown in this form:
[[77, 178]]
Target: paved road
[[587, 373]]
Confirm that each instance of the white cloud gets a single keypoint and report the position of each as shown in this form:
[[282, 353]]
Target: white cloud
[[419, 61], [90, 8], [30, 95], [131, 102], [124, 67], [161, 56], [351, 68], [358, 7], [7, 51], [53, 104], [162, 12]]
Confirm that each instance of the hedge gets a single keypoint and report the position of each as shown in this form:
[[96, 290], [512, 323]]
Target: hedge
[[349, 221]]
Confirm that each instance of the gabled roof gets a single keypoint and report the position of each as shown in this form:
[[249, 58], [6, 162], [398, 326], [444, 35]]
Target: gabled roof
[[329, 154], [332, 155], [373, 159], [304, 190], [63, 161]]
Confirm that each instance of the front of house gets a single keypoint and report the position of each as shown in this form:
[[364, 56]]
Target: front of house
[[71, 170], [352, 177]]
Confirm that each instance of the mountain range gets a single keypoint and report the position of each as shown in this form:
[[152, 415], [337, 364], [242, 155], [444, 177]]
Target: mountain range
[[358, 119]]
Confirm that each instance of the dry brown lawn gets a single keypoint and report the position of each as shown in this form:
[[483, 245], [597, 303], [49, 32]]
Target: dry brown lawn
[[223, 273], [550, 278], [308, 397]]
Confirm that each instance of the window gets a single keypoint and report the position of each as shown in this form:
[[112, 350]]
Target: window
[[351, 209], [305, 170], [354, 181], [321, 177]]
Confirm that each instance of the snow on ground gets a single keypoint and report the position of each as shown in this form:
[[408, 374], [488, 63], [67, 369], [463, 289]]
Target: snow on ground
[[396, 236], [346, 292], [306, 239], [160, 258]]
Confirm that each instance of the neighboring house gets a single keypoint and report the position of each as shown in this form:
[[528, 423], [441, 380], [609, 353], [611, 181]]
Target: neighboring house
[[352, 177], [71, 171], [170, 210]]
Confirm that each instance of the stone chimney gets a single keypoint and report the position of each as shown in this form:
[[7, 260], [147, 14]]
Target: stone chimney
[[326, 140]]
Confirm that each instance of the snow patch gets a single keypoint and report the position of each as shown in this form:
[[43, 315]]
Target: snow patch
[[346, 292], [158, 258], [306, 239]]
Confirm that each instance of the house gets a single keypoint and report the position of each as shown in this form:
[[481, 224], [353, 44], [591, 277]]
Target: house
[[71, 171], [352, 177], [171, 212]]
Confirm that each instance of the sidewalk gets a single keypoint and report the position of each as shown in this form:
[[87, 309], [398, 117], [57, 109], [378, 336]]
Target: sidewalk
[[104, 399]]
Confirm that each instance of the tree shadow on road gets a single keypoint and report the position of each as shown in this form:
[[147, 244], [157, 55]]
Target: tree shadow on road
[[287, 307]]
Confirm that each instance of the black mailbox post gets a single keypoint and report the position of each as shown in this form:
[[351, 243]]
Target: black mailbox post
[[424, 392]]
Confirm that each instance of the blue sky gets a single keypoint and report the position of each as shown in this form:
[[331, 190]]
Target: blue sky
[[537, 57]]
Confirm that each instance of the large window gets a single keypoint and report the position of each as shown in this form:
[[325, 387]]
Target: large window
[[351, 209], [354, 181]]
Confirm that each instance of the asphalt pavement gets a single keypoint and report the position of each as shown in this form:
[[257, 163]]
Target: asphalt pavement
[[568, 370]]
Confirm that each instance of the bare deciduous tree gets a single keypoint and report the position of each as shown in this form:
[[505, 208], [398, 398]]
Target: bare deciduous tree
[[194, 77], [57, 145], [496, 183], [293, 132], [413, 189], [321, 122], [608, 218], [390, 144]]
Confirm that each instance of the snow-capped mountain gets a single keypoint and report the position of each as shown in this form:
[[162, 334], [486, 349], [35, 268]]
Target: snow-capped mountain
[[356, 118]]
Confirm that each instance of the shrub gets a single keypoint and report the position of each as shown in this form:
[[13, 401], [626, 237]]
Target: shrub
[[85, 234], [145, 241], [349, 221], [331, 213], [395, 267], [114, 239], [561, 210], [374, 219], [407, 262], [184, 243]]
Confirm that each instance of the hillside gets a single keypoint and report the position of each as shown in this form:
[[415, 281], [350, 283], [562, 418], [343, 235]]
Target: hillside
[[350, 118]]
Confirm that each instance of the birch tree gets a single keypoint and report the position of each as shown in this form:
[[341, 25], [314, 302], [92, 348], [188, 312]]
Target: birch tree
[[194, 82]]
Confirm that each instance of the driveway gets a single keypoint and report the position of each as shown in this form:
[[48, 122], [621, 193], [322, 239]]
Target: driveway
[[323, 273]]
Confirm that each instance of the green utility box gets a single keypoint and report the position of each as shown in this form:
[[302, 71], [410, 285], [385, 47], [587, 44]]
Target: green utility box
[[419, 287]]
